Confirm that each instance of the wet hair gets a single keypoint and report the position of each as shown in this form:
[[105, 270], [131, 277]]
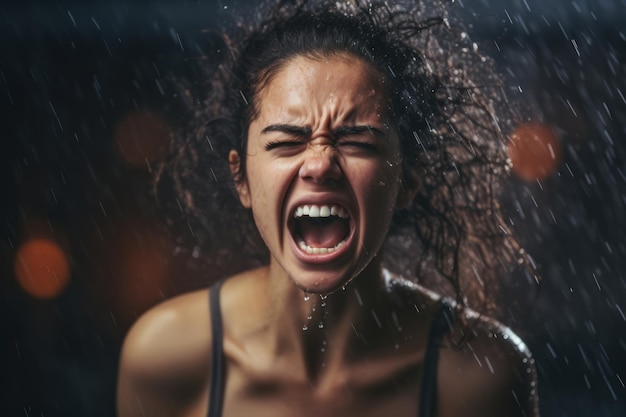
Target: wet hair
[[452, 236]]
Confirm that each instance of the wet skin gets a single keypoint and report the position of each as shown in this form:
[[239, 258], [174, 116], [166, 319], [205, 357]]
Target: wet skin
[[322, 136]]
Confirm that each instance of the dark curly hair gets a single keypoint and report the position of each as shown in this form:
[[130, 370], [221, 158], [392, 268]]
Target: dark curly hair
[[452, 142]]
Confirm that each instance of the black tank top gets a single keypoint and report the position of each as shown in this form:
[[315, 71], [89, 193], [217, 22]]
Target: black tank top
[[428, 400]]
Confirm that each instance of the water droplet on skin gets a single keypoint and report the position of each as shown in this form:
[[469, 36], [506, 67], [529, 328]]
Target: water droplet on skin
[[321, 325], [305, 327], [307, 297]]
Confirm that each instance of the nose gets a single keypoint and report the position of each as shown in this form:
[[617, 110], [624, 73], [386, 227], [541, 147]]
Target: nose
[[320, 165]]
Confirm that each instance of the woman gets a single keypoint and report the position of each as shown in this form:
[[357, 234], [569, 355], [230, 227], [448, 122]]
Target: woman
[[336, 130]]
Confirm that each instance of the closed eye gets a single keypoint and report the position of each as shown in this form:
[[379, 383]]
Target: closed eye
[[361, 145], [282, 144], [361, 138], [294, 136]]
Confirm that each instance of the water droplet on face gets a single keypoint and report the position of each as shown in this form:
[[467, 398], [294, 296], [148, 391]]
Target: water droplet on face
[[307, 297], [305, 327], [321, 325]]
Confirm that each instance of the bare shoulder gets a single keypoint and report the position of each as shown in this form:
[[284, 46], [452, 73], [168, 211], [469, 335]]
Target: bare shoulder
[[165, 360], [492, 374]]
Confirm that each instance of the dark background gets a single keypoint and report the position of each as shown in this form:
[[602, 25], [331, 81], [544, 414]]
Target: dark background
[[85, 108]]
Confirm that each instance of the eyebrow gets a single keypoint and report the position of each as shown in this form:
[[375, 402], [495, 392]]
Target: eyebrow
[[296, 130], [340, 131]]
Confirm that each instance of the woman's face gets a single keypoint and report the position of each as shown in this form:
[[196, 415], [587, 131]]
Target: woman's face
[[323, 169]]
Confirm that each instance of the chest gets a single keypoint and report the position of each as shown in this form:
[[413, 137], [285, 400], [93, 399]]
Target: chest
[[343, 401], [388, 392]]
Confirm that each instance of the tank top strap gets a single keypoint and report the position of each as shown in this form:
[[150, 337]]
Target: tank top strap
[[216, 393], [440, 326]]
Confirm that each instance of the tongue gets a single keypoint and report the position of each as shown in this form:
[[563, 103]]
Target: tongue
[[323, 232]]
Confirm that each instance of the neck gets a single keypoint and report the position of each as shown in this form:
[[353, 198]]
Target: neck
[[328, 330]]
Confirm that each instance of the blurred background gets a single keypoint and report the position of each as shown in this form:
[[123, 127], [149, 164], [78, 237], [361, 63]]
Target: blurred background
[[85, 113]]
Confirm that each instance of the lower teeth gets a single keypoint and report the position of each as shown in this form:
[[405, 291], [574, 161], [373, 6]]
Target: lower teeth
[[311, 250]]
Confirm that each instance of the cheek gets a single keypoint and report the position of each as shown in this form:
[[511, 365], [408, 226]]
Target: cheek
[[382, 182], [265, 184]]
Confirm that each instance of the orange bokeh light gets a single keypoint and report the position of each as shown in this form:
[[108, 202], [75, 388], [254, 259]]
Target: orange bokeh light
[[136, 268], [41, 268], [143, 274], [141, 137], [535, 151]]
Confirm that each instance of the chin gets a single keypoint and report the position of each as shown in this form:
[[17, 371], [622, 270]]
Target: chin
[[325, 281]]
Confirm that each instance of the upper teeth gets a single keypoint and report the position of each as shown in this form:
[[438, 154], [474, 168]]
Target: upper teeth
[[321, 211]]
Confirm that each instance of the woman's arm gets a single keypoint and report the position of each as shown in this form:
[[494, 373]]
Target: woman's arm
[[164, 366], [492, 375]]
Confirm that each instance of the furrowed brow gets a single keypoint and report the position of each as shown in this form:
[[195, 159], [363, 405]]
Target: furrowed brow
[[292, 129]]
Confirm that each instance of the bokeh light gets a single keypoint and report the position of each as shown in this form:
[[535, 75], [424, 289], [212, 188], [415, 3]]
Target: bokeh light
[[136, 269], [141, 138], [41, 268], [535, 151]]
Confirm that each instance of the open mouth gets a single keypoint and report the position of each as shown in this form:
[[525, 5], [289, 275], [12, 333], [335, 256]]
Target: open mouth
[[320, 229]]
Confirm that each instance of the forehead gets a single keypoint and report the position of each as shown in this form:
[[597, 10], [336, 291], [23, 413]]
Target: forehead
[[335, 80]]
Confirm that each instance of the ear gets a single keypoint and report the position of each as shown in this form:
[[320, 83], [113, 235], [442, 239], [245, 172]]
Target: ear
[[241, 183], [408, 189]]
